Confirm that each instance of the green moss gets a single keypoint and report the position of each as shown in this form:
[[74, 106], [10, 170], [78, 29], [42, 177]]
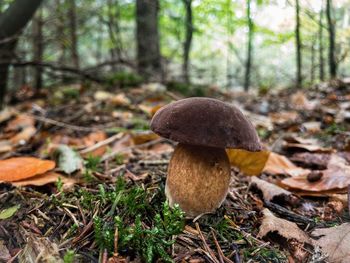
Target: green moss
[[125, 79]]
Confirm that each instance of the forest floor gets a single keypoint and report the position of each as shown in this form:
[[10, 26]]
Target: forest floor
[[105, 202]]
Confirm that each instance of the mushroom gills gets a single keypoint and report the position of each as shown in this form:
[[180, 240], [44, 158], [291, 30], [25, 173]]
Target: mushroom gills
[[198, 178]]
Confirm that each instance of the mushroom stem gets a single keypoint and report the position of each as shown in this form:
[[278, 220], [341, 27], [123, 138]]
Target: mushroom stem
[[198, 178]]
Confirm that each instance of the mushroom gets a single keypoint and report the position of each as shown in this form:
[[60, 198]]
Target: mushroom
[[199, 170]]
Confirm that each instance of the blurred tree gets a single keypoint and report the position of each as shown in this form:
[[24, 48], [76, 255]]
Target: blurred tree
[[320, 42], [148, 51], [298, 44], [72, 18], [188, 39], [331, 35], [12, 21], [248, 64], [38, 48]]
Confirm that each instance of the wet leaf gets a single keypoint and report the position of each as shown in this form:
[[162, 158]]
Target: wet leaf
[[69, 161], [8, 212], [143, 137], [279, 164], [18, 168], [251, 163], [336, 176], [334, 242]]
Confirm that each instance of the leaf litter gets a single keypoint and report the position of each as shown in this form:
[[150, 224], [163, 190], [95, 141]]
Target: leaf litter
[[115, 196]]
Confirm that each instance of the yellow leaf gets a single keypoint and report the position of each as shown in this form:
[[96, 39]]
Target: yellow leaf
[[251, 163]]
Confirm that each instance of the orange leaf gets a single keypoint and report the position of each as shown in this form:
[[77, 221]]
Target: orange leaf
[[18, 168], [42, 179]]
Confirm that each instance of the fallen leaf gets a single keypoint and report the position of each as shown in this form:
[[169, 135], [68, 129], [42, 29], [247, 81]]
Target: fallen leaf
[[336, 176], [284, 117], [251, 163], [5, 146], [300, 102], [69, 161], [134, 177], [5, 255], [23, 136], [6, 114], [101, 95], [319, 160], [18, 168], [8, 212], [312, 126], [92, 139], [296, 239], [271, 191], [150, 110], [20, 122], [334, 242], [120, 100], [40, 248], [46, 178], [143, 137], [279, 164]]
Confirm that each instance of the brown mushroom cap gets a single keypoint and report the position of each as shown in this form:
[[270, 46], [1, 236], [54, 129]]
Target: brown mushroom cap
[[205, 122]]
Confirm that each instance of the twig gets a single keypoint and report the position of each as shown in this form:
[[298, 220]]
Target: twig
[[116, 152], [102, 143], [64, 125], [206, 247], [218, 248]]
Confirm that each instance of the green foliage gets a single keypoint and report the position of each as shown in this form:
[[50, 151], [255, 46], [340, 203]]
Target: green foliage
[[69, 256], [92, 163], [139, 124], [148, 242], [125, 79], [119, 159], [187, 90]]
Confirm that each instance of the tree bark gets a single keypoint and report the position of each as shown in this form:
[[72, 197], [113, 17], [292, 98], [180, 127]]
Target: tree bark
[[148, 51], [249, 47], [72, 13], [331, 35], [298, 45], [38, 49], [320, 43], [312, 68], [188, 39], [12, 21]]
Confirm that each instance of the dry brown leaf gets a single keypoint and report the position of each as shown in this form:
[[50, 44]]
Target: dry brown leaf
[[334, 242], [120, 100], [134, 177], [150, 109], [284, 117], [336, 176], [94, 138], [20, 122], [279, 164], [300, 102], [19, 168], [159, 148], [312, 159], [5, 146], [6, 114], [5, 255], [46, 178], [23, 136], [251, 163], [312, 126], [270, 191], [287, 230]]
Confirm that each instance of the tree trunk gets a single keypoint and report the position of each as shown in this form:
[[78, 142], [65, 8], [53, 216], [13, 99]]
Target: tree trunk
[[188, 39], [320, 43], [249, 47], [298, 45], [331, 34], [38, 49], [312, 68], [72, 13], [148, 51], [12, 21]]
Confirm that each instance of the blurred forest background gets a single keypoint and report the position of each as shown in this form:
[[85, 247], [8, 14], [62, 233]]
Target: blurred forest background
[[235, 44]]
